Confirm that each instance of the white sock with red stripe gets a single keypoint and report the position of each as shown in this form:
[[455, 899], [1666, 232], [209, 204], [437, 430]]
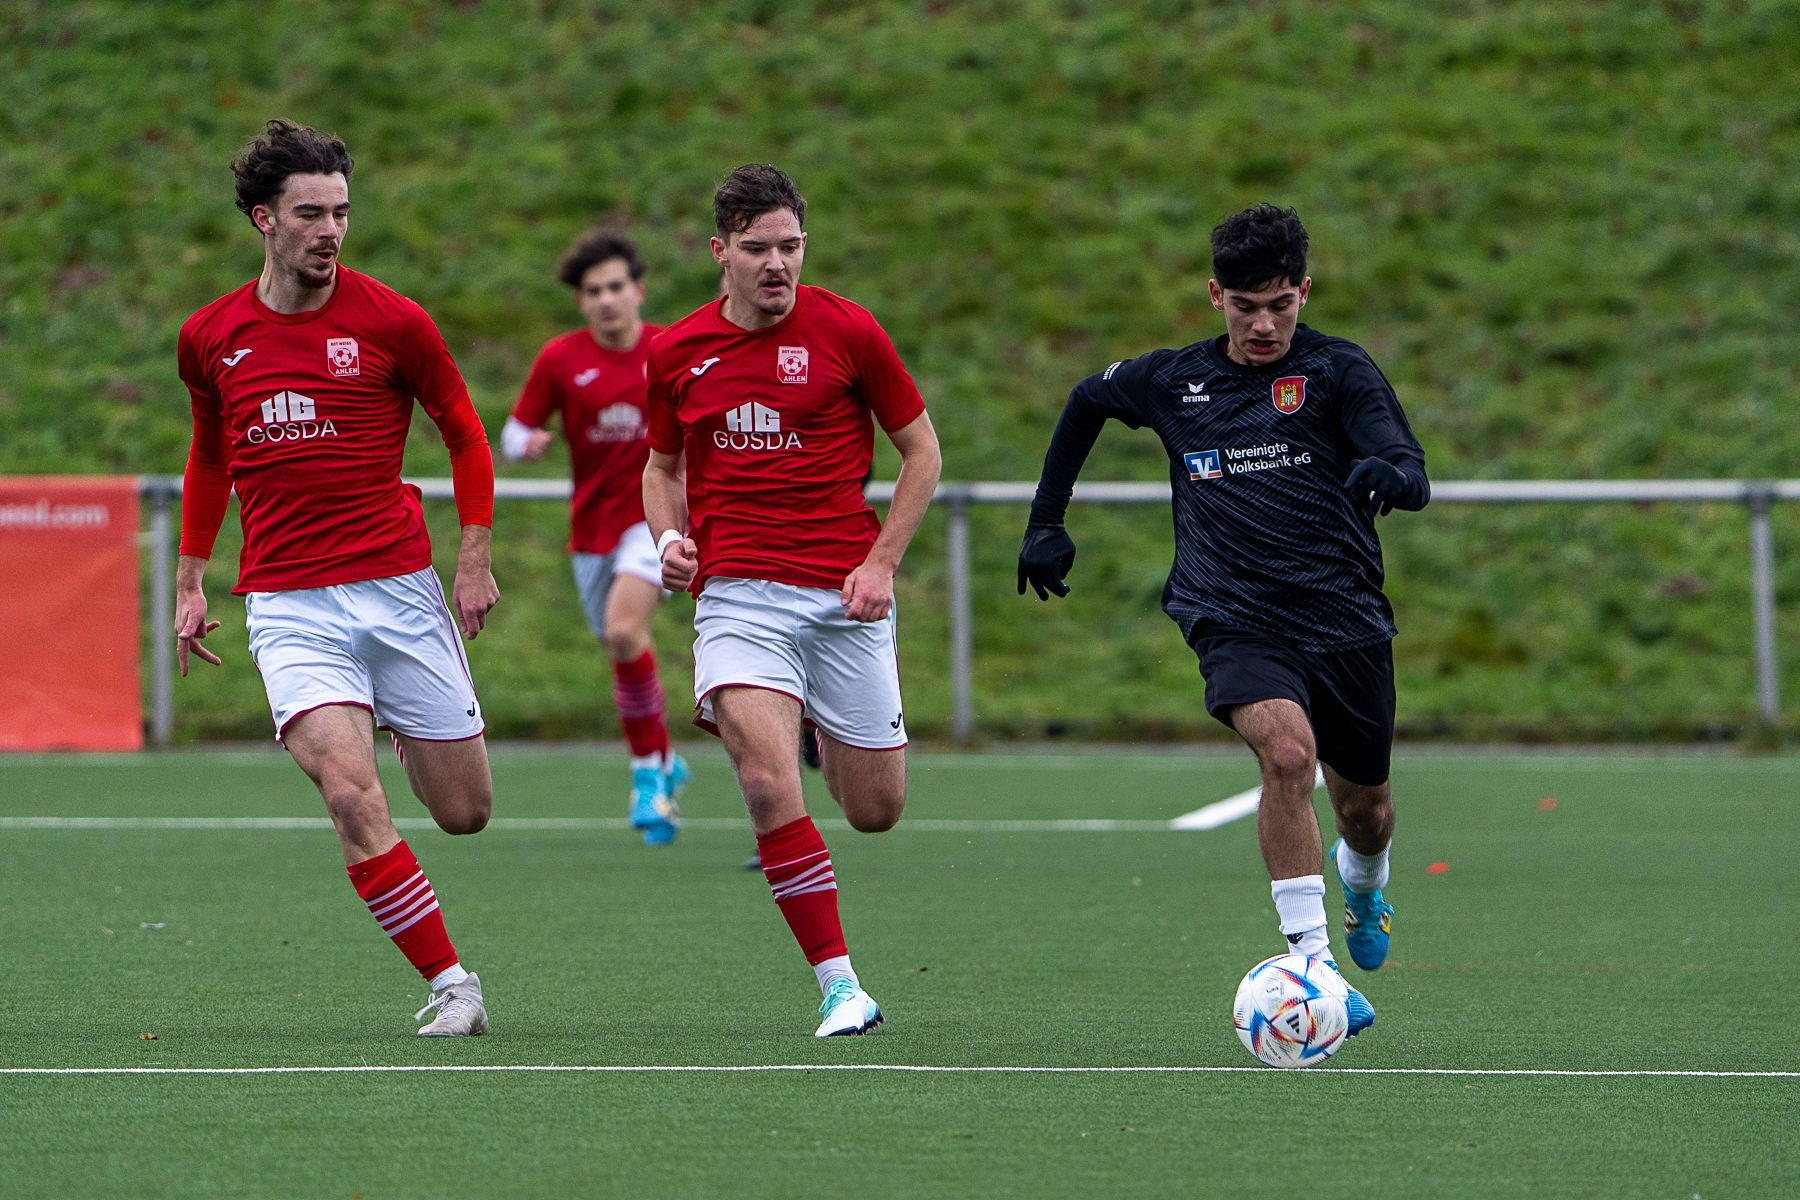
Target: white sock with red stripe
[[402, 901]]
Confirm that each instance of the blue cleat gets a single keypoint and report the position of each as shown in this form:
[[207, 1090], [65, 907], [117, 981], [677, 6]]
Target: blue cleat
[[1367, 921], [653, 806], [1356, 1006], [675, 779]]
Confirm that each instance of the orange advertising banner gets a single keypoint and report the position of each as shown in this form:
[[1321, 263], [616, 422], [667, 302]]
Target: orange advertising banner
[[69, 613]]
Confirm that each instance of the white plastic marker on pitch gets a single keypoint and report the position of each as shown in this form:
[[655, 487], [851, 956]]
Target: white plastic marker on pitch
[[1231, 808]]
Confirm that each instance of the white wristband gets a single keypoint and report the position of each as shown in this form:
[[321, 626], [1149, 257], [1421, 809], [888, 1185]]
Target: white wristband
[[662, 543]]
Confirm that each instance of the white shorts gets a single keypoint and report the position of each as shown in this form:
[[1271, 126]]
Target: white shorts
[[797, 641], [635, 555], [387, 645]]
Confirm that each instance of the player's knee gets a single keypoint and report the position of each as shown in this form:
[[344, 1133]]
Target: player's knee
[[1288, 763], [624, 645], [875, 812], [354, 805], [467, 814], [764, 787]]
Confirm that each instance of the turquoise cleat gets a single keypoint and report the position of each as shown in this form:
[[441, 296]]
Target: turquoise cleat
[[653, 806], [848, 1010], [1356, 1006], [1367, 921]]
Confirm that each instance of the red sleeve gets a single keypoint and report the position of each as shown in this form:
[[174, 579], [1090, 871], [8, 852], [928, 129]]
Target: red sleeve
[[884, 382], [439, 386], [206, 483], [537, 399], [665, 427]]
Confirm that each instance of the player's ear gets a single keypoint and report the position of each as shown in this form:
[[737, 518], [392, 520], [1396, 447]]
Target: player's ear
[[262, 218], [1216, 294]]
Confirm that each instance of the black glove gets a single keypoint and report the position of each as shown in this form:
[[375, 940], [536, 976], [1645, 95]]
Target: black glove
[[1377, 487], [1046, 556]]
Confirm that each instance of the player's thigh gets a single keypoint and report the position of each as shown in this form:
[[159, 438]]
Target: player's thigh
[[853, 678], [453, 779], [760, 728], [746, 634], [335, 745], [408, 639], [1353, 713], [593, 586], [303, 644], [870, 785]]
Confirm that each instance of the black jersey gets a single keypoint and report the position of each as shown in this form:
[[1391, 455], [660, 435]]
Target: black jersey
[[1267, 540]]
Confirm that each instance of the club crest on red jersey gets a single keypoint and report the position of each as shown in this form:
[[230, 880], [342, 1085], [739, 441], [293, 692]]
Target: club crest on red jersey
[[343, 355], [1289, 393], [790, 364]]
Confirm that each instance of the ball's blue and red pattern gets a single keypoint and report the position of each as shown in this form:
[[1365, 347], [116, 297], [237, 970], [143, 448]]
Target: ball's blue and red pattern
[[1289, 1011]]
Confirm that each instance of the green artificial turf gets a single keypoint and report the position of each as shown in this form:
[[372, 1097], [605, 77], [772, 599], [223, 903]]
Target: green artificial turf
[[1639, 924]]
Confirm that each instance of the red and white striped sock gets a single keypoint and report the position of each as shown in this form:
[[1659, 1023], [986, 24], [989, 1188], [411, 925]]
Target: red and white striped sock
[[400, 899], [638, 694], [798, 868]]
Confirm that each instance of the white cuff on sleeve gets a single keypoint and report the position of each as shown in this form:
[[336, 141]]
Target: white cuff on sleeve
[[515, 436], [662, 543]]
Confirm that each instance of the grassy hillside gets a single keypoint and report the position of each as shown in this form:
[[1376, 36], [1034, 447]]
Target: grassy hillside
[[1569, 234]]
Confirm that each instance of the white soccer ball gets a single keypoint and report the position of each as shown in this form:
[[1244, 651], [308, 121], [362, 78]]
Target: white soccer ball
[[1290, 1011]]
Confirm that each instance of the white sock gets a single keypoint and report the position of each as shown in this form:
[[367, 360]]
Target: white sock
[[1362, 872], [837, 968], [639, 761], [449, 975], [1300, 903]]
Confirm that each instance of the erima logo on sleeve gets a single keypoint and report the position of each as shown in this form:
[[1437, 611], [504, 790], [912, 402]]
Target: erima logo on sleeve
[[1203, 464]]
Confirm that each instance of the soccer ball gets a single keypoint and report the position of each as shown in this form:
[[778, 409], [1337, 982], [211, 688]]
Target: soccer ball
[[1290, 1011]]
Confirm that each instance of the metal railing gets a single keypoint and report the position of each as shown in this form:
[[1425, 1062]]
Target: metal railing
[[1758, 496]]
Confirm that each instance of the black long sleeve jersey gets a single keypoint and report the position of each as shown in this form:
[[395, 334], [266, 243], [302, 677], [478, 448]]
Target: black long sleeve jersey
[[1267, 540]]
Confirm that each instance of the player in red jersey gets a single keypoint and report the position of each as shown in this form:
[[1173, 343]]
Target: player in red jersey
[[592, 379], [302, 385], [769, 397]]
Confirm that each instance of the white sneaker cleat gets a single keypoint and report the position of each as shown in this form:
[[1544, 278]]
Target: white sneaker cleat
[[848, 1010], [460, 1012]]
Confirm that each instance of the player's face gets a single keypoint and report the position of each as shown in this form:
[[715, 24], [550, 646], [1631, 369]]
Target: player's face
[[609, 299], [304, 229], [762, 268], [1259, 325]]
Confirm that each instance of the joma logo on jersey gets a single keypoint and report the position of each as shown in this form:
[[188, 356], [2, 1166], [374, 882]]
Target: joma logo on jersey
[[753, 426], [617, 423], [583, 378], [1289, 393], [289, 417], [790, 364], [1203, 464], [344, 356]]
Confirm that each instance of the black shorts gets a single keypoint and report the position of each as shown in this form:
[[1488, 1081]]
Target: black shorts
[[1348, 695]]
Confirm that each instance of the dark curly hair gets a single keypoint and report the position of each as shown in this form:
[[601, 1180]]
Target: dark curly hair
[[284, 148], [1259, 246], [749, 192], [595, 247]]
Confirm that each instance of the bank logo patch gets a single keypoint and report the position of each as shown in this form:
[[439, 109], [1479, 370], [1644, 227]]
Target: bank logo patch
[[344, 356], [1289, 393], [1203, 464], [790, 364]]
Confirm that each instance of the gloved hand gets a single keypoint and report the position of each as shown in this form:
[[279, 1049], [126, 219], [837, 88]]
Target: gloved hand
[[1046, 556], [1378, 487]]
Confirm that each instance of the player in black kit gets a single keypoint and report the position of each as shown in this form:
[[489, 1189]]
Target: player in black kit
[[1284, 445]]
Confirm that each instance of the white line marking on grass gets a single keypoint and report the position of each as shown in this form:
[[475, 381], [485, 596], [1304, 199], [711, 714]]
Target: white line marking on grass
[[1231, 808], [528, 824], [642, 1069]]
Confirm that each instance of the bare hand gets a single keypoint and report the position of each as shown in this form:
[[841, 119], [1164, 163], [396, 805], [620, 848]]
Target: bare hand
[[868, 593], [535, 445], [473, 597], [191, 625], [680, 563]]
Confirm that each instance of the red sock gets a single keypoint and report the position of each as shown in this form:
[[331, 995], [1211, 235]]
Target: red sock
[[638, 693], [402, 902], [798, 868]]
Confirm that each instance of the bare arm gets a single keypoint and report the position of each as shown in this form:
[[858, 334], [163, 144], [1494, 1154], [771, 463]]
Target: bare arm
[[869, 590], [474, 593], [666, 511]]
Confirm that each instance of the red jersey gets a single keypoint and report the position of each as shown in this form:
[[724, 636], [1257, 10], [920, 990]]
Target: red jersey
[[307, 414], [776, 424], [600, 395]]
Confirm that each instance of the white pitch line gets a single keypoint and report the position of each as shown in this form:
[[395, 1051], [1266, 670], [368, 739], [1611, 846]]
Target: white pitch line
[[1231, 808], [528, 824], [643, 1069]]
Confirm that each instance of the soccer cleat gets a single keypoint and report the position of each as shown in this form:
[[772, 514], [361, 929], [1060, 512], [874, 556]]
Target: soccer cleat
[[675, 779], [653, 804], [1367, 920], [1356, 1005], [848, 1010], [460, 1012]]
